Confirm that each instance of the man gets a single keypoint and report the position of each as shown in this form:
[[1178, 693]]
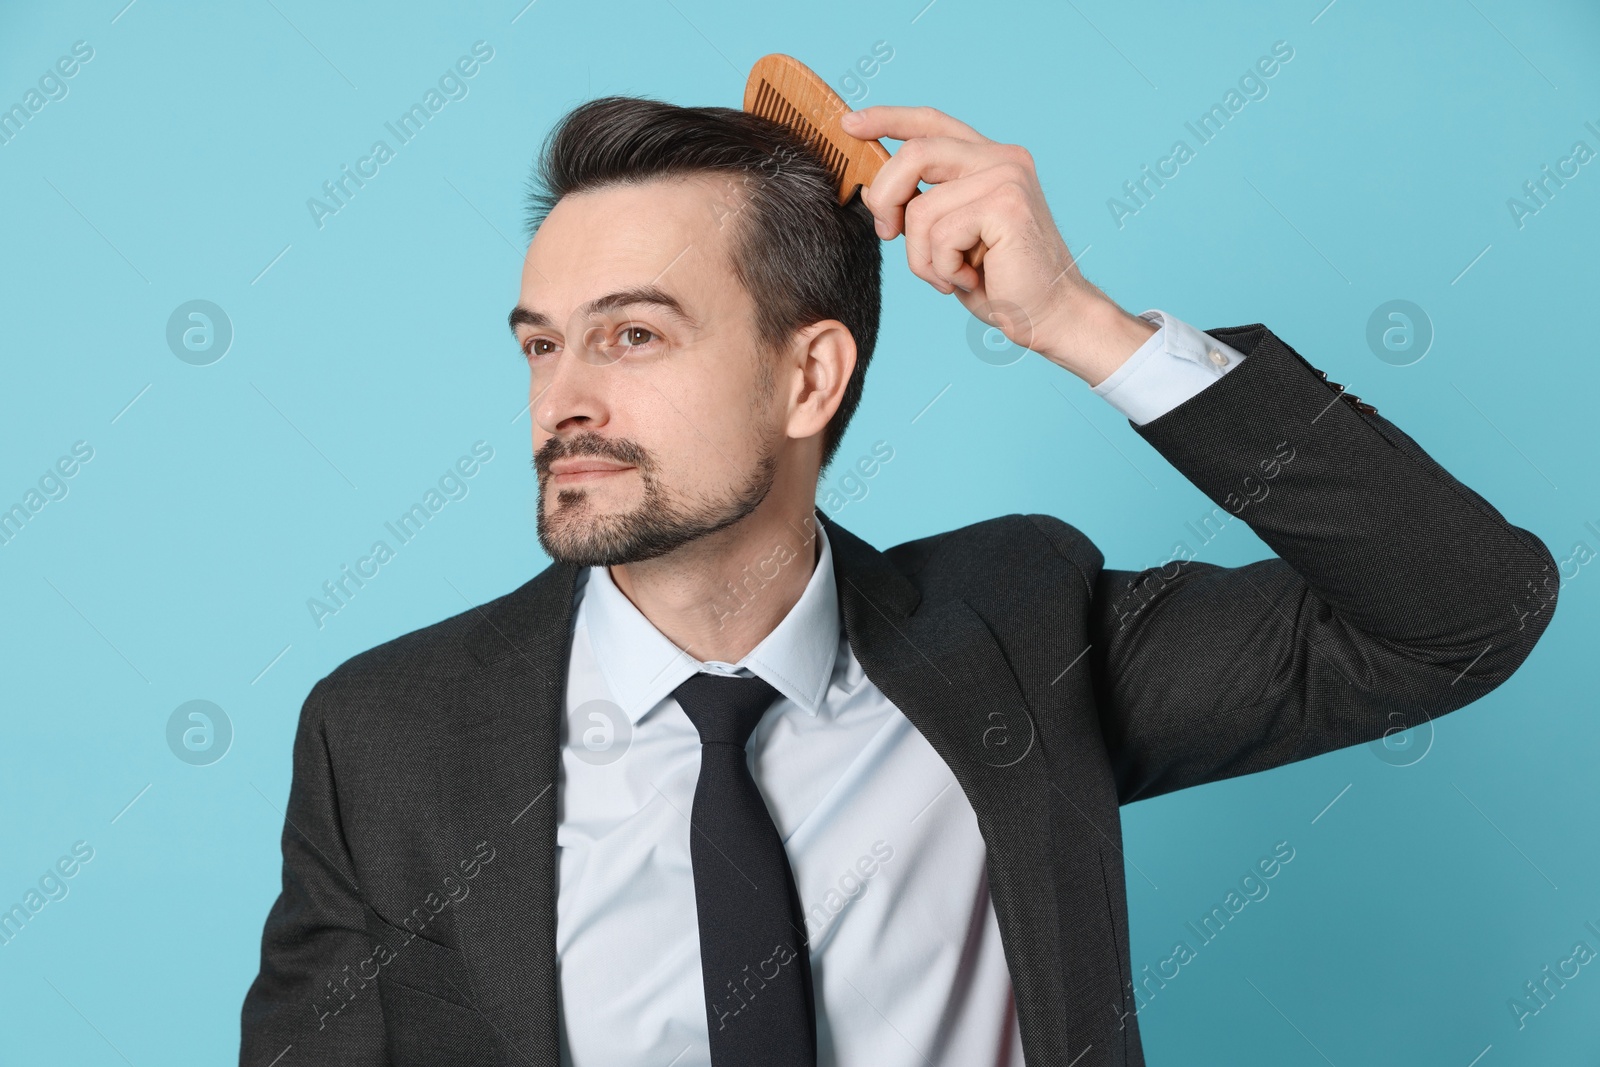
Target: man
[[725, 784]]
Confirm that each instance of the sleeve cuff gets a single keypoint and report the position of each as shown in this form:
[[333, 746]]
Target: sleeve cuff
[[1173, 364]]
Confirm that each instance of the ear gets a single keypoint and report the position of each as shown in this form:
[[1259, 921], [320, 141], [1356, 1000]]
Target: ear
[[815, 371]]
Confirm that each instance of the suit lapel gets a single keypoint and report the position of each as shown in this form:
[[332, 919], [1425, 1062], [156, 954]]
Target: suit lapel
[[500, 754], [939, 663], [936, 660]]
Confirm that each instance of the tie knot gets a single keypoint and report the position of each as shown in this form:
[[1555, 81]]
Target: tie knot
[[725, 708]]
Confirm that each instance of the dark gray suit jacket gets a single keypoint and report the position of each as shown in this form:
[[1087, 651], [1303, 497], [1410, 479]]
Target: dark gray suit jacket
[[416, 923]]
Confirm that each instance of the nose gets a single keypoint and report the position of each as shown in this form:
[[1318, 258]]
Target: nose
[[567, 390]]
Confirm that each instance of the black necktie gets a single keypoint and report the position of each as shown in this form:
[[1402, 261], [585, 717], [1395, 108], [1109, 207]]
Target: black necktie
[[753, 954]]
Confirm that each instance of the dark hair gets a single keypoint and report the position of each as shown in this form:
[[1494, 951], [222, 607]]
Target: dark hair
[[800, 254]]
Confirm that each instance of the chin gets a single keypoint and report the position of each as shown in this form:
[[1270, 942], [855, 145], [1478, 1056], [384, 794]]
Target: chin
[[586, 532]]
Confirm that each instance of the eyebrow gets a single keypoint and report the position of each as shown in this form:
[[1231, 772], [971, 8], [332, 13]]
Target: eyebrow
[[644, 294]]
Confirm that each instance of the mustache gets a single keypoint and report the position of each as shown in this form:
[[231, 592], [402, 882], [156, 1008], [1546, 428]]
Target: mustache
[[589, 444]]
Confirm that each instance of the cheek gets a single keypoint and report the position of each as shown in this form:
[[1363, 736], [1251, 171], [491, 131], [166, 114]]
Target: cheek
[[704, 441]]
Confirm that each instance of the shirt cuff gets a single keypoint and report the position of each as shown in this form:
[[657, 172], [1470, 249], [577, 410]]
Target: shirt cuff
[[1173, 364]]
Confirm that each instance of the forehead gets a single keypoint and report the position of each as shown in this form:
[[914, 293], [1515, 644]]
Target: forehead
[[672, 233]]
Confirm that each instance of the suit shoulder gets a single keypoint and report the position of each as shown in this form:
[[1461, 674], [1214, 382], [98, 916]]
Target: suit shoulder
[[1025, 530], [1004, 543], [425, 656], [1069, 542]]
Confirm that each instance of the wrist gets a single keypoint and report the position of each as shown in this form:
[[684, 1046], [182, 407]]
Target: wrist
[[1095, 339]]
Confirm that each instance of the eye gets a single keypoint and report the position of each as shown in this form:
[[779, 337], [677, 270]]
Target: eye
[[629, 336], [531, 349]]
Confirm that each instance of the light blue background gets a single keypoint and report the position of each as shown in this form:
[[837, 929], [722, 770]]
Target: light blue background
[[374, 352]]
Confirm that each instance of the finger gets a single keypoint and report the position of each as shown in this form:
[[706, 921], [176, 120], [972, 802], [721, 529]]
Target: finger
[[949, 241], [928, 159], [941, 224], [904, 123]]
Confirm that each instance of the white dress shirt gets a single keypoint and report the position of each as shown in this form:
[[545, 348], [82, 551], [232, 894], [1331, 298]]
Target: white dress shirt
[[906, 958]]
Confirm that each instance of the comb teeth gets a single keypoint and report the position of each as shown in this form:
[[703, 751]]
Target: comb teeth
[[771, 104]]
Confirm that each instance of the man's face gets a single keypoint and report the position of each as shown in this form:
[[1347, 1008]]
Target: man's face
[[654, 417]]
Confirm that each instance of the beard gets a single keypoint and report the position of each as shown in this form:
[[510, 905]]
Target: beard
[[578, 531]]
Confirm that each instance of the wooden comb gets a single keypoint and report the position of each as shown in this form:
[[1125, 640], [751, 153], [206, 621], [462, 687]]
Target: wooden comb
[[785, 90]]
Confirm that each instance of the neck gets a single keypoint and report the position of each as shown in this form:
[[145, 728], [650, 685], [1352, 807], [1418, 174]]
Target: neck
[[718, 597]]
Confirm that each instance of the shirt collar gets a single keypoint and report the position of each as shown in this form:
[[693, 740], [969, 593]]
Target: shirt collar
[[642, 666]]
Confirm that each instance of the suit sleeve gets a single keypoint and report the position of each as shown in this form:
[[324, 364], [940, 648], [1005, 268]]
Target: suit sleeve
[[308, 1004], [1397, 594]]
